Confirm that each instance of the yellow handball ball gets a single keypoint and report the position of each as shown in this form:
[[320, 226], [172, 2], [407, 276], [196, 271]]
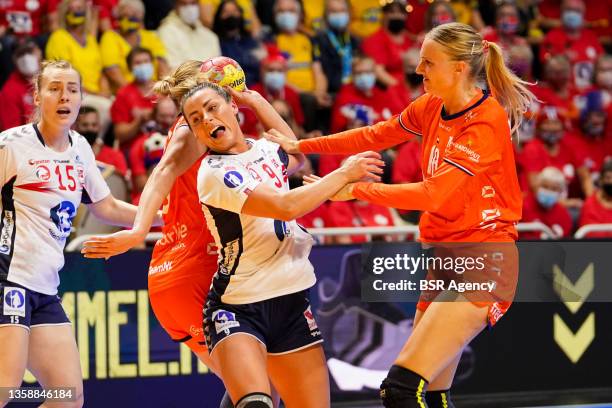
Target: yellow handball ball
[[224, 71]]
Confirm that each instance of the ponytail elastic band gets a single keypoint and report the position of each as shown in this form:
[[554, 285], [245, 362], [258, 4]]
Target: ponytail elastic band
[[485, 46]]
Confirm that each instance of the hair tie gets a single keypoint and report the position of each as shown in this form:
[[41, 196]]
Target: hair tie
[[485, 46], [473, 44]]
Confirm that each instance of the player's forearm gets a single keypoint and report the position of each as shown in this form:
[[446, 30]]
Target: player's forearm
[[376, 137], [413, 196], [302, 200], [156, 189]]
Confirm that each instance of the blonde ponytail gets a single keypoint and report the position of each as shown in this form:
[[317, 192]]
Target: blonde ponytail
[[179, 81], [463, 43]]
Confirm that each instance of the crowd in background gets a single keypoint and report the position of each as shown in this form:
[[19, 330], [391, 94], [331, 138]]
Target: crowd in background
[[328, 66]]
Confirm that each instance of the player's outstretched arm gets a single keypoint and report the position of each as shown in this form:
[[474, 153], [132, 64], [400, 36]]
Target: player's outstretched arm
[[266, 202], [182, 151], [376, 137], [116, 212]]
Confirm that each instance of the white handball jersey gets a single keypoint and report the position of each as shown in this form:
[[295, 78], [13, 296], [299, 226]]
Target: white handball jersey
[[41, 191], [259, 258]]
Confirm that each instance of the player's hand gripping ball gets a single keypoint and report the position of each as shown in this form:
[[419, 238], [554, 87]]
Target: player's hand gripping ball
[[224, 71]]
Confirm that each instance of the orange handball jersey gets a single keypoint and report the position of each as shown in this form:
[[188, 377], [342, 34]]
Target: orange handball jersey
[[186, 249], [470, 190]]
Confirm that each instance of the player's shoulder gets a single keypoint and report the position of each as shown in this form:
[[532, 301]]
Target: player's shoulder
[[81, 144], [489, 111], [17, 137]]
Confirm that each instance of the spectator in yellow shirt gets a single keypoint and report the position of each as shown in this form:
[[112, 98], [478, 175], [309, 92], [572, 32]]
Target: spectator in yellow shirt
[[367, 17], [74, 43], [305, 72], [116, 45]]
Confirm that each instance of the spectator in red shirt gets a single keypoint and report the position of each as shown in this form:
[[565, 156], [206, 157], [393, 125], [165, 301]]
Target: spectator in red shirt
[[516, 48], [133, 105], [274, 84], [16, 93], [597, 208], [545, 205], [407, 169], [553, 146], [28, 18], [577, 43], [363, 91], [594, 142], [88, 125], [146, 151], [601, 90], [415, 23], [557, 89], [387, 46], [597, 17]]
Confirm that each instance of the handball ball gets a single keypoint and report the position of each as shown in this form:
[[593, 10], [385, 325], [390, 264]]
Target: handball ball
[[224, 71]]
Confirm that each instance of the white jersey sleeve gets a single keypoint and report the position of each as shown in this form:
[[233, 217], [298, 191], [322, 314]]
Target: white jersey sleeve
[[95, 188], [225, 185], [8, 167]]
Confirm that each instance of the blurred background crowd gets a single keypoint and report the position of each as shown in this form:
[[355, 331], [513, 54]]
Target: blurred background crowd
[[328, 66]]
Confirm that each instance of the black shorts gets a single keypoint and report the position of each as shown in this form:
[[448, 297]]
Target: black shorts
[[20, 306], [283, 324]]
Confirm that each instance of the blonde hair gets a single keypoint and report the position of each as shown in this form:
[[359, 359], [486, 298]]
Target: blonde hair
[[180, 81], [463, 43], [37, 80]]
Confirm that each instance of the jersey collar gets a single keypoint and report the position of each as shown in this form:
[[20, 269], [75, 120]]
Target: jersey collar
[[40, 138], [485, 95]]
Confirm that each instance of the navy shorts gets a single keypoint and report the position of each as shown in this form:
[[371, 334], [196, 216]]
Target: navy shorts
[[283, 324], [20, 306]]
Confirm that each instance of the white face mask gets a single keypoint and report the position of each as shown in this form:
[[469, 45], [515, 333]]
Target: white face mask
[[28, 64], [190, 14]]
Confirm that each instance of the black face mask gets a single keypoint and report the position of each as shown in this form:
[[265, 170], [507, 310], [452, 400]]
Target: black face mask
[[551, 138], [396, 25], [295, 182], [90, 136], [414, 79], [231, 23], [607, 188]]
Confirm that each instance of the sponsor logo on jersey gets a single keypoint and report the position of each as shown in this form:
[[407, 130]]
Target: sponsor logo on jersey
[[195, 330], [471, 154], [224, 321], [215, 162], [33, 162], [165, 267], [43, 173], [62, 216], [233, 179], [14, 302], [6, 234], [80, 173], [230, 253], [174, 234]]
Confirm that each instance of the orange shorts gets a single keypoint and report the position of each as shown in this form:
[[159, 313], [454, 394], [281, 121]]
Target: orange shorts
[[497, 264], [496, 309], [179, 310]]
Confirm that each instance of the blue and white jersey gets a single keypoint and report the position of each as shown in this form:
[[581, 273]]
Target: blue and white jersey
[[41, 192], [259, 258]]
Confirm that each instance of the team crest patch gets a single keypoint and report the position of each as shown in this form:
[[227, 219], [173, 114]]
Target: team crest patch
[[233, 179], [13, 301], [224, 321]]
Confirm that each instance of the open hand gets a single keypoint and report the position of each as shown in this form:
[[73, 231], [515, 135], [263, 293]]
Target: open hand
[[111, 245], [289, 145]]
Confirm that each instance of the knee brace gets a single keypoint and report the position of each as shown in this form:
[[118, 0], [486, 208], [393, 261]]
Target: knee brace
[[403, 389], [439, 399], [226, 401], [255, 400]]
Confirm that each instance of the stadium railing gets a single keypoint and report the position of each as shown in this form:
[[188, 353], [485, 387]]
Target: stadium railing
[[586, 229]]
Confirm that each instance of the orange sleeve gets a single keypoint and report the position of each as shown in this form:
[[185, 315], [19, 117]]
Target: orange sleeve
[[398, 129], [426, 195]]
